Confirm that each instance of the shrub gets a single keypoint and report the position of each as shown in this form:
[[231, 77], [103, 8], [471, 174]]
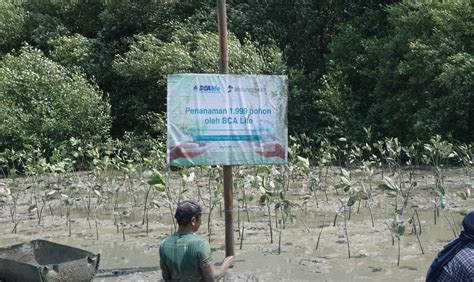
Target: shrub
[[43, 104]]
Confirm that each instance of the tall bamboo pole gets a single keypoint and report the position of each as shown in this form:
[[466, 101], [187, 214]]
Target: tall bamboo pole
[[228, 183]]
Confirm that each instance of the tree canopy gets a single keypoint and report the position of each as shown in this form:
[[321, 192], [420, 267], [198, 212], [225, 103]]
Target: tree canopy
[[43, 104], [402, 69]]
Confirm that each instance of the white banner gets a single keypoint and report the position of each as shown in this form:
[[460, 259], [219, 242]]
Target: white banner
[[227, 119]]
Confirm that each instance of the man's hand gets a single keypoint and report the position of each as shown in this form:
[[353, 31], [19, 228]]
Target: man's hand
[[269, 150], [187, 150], [210, 272], [228, 262]]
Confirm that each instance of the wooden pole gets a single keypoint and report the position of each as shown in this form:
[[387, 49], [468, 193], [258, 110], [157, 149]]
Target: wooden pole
[[228, 183]]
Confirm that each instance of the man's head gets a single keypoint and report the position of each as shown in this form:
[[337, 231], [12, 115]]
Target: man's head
[[468, 223], [189, 212]]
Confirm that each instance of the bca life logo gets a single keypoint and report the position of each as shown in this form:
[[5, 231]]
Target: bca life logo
[[206, 88]]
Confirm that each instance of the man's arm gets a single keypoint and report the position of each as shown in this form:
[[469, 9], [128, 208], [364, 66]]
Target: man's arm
[[165, 273], [211, 273]]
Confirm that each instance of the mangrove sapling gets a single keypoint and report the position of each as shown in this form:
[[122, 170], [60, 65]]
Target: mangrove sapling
[[5, 195], [157, 181], [15, 226], [245, 181], [213, 201], [320, 233], [279, 241], [162, 184], [51, 195], [266, 187], [380, 146], [440, 203], [354, 195], [305, 145], [39, 211], [326, 158], [397, 227], [335, 217], [116, 222], [451, 225], [122, 224], [286, 207], [465, 195], [435, 153], [368, 172], [413, 223], [391, 233], [212, 175], [342, 152], [419, 222], [303, 166], [155, 205], [266, 199], [96, 227], [412, 152], [304, 206], [406, 196], [242, 234], [314, 186], [394, 153], [366, 196], [129, 170], [304, 223], [3, 164], [147, 195], [463, 153], [203, 170], [187, 176], [391, 190], [68, 202], [238, 215], [344, 184], [347, 235]]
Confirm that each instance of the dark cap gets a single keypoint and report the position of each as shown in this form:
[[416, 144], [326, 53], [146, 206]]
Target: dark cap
[[186, 211]]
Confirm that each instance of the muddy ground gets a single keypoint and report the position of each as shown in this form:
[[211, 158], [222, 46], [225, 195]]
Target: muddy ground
[[373, 257]]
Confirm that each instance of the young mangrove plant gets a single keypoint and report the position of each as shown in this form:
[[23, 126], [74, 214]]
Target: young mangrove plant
[[392, 190], [266, 188], [397, 228], [325, 161], [436, 154]]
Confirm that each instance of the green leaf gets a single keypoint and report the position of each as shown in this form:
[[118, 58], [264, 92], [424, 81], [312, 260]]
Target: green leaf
[[440, 191], [387, 190], [462, 195], [352, 200], [97, 193], [364, 195], [389, 182], [156, 179], [263, 169], [159, 187], [32, 207], [401, 229], [189, 178], [346, 174]]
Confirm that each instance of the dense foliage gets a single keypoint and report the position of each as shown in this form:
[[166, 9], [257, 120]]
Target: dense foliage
[[398, 69], [412, 78], [43, 104]]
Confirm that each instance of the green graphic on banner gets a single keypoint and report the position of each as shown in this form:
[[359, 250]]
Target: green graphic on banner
[[227, 119]]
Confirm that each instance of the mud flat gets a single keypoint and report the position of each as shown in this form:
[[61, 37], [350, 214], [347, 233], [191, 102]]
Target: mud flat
[[128, 253]]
